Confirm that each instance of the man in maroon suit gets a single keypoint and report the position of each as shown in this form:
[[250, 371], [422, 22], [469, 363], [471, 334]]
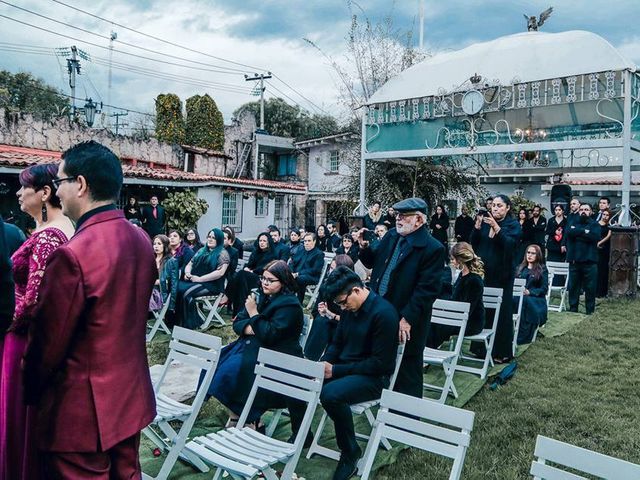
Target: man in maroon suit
[[86, 366]]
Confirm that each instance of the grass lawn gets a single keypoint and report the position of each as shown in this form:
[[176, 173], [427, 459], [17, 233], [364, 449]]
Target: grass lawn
[[581, 388]]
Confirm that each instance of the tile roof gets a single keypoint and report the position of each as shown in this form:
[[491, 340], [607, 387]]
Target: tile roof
[[20, 157]]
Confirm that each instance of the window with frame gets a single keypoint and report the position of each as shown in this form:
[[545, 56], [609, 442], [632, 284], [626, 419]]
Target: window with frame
[[334, 161], [278, 207], [262, 206], [231, 210]]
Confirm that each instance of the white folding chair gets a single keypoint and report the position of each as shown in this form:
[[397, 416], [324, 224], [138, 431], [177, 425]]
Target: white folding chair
[[518, 295], [273, 423], [578, 459], [455, 314], [241, 263], [443, 430], [195, 349], [243, 452], [364, 408], [158, 321], [314, 290], [207, 308], [557, 269], [491, 299]]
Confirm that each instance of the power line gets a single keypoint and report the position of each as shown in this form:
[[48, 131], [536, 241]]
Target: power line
[[231, 71], [107, 48], [157, 38], [190, 50]]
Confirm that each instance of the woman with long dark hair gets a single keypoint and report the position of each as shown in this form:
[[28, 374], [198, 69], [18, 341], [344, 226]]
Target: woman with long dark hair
[[166, 287], [271, 318], [249, 277], [192, 239], [294, 242], [37, 198], [440, 226], [180, 250], [322, 239], [527, 235], [494, 239], [604, 250], [204, 275], [534, 303], [468, 288], [374, 216], [132, 210], [555, 233]]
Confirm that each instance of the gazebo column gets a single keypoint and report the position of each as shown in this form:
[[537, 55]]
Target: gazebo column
[[363, 166], [625, 215]]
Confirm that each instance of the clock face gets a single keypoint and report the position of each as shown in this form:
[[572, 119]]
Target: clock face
[[472, 102]]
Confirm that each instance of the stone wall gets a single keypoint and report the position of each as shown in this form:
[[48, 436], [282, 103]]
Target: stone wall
[[236, 135], [26, 131]]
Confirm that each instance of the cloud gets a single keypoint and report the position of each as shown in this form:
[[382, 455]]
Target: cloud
[[268, 35]]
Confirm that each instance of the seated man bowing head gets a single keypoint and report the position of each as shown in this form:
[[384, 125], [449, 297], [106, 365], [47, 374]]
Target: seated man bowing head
[[359, 361]]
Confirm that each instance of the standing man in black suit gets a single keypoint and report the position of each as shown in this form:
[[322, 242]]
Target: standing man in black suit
[[463, 226], [407, 271], [7, 299], [538, 226], [153, 217]]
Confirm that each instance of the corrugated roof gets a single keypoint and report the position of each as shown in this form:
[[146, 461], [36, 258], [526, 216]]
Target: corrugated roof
[[19, 157]]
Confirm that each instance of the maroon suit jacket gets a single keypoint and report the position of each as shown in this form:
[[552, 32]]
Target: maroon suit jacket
[[86, 364]]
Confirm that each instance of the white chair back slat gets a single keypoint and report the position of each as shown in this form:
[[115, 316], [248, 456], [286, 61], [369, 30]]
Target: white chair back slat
[[285, 377], [426, 434], [193, 350], [300, 366], [580, 459]]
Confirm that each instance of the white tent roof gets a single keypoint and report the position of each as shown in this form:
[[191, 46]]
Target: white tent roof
[[524, 57]]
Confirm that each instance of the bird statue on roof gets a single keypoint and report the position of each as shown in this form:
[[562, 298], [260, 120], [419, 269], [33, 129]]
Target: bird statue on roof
[[534, 23]]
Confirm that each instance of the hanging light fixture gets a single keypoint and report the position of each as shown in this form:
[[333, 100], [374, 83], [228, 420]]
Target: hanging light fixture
[[90, 109]]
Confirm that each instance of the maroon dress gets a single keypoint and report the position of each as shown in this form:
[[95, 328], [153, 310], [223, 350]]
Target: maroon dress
[[17, 422]]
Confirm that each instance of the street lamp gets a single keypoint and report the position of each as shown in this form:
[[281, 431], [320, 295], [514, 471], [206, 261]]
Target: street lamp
[[90, 109]]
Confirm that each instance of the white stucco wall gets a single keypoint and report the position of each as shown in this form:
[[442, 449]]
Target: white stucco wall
[[321, 179]]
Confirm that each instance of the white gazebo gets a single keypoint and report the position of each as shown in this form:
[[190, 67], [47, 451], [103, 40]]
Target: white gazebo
[[556, 101]]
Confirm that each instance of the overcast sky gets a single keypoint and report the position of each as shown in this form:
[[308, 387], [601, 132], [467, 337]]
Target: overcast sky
[[262, 34]]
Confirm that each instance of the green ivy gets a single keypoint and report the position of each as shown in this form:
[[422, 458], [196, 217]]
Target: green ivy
[[170, 126], [184, 209], [205, 125]]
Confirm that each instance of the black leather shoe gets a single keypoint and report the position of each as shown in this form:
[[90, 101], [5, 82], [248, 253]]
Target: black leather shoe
[[347, 466]]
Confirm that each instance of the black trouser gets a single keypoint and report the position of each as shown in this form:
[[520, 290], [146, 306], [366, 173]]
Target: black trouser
[[409, 380], [583, 276], [238, 289], [319, 337], [336, 397], [187, 293]]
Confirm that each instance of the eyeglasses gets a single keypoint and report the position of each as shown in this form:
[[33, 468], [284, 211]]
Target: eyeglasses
[[268, 281], [343, 302], [57, 181], [406, 215]]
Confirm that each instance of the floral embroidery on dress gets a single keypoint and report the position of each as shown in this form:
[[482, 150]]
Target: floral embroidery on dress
[[29, 262]]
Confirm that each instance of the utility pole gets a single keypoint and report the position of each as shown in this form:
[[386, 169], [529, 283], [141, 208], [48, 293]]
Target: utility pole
[[73, 67], [260, 78], [118, 124], [112, 38]]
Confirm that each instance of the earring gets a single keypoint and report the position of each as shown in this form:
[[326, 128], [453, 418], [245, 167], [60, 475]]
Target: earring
[[44, 212]]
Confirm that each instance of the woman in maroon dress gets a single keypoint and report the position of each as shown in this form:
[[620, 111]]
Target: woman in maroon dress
[[17, 422]]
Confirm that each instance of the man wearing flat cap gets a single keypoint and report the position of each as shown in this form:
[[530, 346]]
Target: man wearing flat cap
[[406, 270]]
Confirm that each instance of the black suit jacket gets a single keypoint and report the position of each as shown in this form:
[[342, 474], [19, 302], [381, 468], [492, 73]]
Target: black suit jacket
[[7, 299], [14, 237], [152, 225], [277, 326], [415, 282]]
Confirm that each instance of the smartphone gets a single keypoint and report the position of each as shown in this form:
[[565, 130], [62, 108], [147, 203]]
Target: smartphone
[[484, 212], [368, 235], [256, 294]]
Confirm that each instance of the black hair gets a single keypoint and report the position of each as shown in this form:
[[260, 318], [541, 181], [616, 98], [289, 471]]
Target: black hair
[[99, 166], [273, 228], [280, 270], [347, 236], [180, 234], [40, 176], [340, 282]]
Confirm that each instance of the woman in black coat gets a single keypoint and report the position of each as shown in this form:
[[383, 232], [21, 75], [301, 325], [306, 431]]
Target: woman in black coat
[[182, 252], [235, 241], [307, 265], [525, 239], [494, 239], [132, 210], [440, 226], [534, 303], [374, 217], [192, 238], [273, 320], [469, 288], [322, 239], [348, 247], [249, 277], [555, 233]]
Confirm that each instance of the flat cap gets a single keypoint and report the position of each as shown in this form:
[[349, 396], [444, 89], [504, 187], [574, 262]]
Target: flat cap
[[411, 205]]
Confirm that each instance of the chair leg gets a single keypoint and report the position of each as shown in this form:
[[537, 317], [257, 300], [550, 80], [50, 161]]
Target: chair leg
[[366, 462], [315, 446], [273, 424], [369, 414]]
